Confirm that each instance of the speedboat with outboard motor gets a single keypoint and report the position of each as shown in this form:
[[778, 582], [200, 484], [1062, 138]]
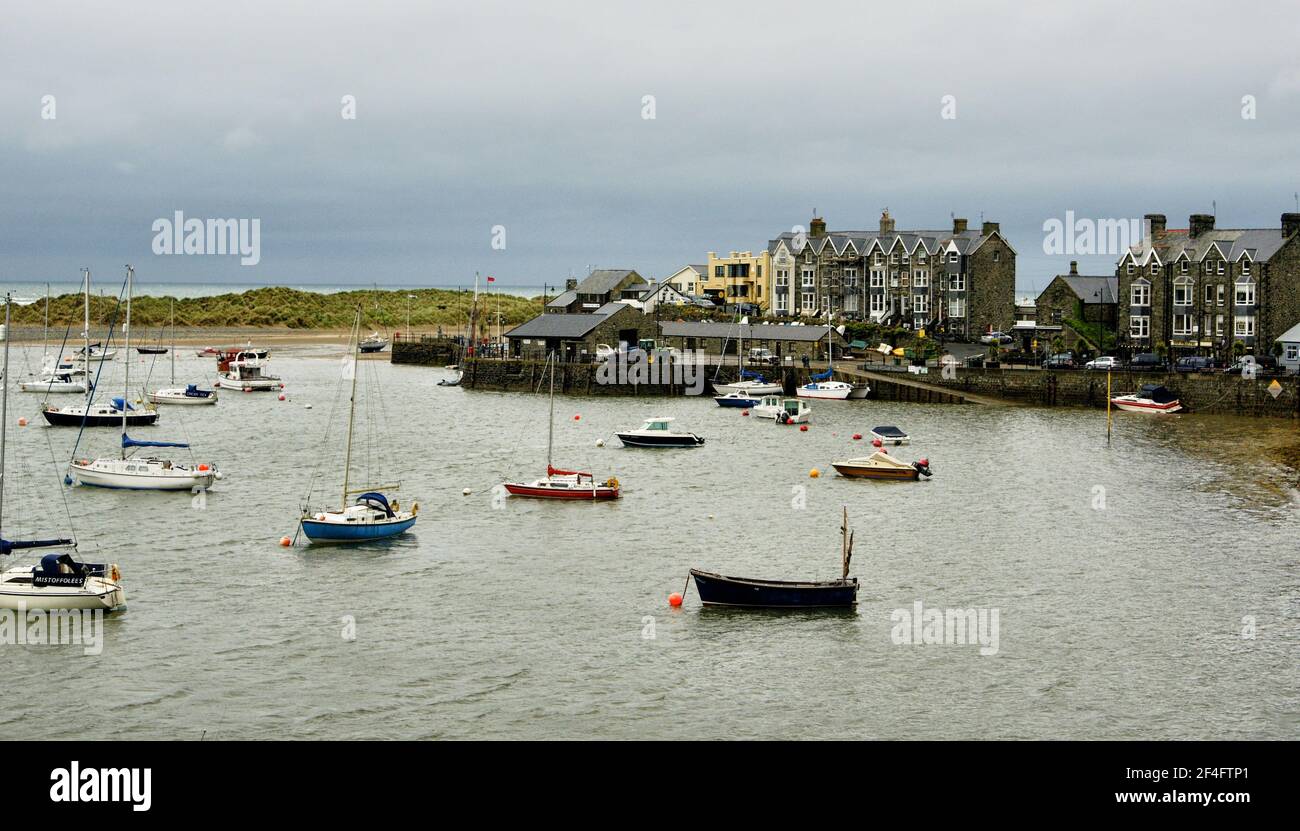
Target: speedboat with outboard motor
[[1153, 399]]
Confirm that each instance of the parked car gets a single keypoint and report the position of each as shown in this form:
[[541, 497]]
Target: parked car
[[762, 356], [1061, 360], [1147, 361], [1104, 362], [1193, 363], [996, 337]]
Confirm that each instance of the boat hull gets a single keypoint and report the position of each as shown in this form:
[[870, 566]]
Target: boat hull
[[96, 593], [537, 491], [748, 388], [57, 418], [742, 402], [742, 592], [824, 392], [852, 471], [632, 440], [251, 384], [53, 387], [1143, 405], [178, 396], [119, 480], [338, 532]]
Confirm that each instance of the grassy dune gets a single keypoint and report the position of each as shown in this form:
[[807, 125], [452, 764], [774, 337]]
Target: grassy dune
[[289, 308]]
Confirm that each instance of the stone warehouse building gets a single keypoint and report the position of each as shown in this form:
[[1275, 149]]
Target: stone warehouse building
[[575, 336], [1201, 290], [959, 282]]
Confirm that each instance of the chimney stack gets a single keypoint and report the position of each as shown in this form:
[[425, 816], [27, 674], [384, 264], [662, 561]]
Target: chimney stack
[[1198, 224], [990, 227], [959, 225], [1290, 224], [1156, 226], [886, 222], [1074, 266], [816, 227]]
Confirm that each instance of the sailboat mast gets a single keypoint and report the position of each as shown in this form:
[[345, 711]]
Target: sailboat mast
[[550, 424], [173, 315], [4, 413], [352, 407], [126, 375], [45, 333], [85, 334]]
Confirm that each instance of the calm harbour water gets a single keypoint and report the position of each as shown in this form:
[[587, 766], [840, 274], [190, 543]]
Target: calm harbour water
[[527, 619]]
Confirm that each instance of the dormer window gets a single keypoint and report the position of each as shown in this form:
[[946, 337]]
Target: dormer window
[[1245, 268], [1182, 267], [952, 257], [1155, 268], [1131, 268]]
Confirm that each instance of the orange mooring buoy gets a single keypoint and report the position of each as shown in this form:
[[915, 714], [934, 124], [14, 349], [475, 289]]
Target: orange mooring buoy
[[22, 422], [814, 473], [286, 542], [577, 418], [675, 599]]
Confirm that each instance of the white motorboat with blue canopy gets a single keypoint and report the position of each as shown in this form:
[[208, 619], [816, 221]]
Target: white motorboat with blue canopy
[[58, 582], [657, 432], [371, 516], [890, 435]]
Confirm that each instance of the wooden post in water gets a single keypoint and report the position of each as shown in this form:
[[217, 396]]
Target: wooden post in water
[[1108, 407]]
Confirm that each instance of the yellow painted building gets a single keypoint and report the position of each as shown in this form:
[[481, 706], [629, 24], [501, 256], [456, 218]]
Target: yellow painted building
[[739, 277]]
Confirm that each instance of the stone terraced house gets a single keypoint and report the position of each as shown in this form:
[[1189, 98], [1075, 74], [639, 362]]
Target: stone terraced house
[[1200, 290], [959, 282]]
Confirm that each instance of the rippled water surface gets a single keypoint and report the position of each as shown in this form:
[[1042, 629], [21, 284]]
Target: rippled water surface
[[1122, 576]]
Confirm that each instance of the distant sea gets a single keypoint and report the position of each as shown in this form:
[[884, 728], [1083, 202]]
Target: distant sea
[[32, 292]]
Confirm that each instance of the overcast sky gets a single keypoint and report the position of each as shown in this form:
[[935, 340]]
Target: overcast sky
[[471, 115]]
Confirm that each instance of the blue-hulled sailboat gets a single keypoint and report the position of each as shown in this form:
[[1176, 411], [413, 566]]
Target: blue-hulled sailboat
[[370, 516]]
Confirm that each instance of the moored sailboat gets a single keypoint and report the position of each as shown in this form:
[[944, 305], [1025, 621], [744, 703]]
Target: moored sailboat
[[559, 483], [190, 394], [371, 516]]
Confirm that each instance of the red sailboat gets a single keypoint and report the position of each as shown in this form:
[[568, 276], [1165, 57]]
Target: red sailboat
[[559, 483]]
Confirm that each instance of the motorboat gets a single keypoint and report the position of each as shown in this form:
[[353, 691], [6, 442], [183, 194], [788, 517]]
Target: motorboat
[[880, 465], [453, 381], [748, 592], [188, 394], [768, 406], [736, 399], [890, 436], [559, 483], [244, 371], [794, 411], [656, 432], [374, 342], [58, 582], [56, 383], [371, 516], [826, 390], [1152, 398], [100, 415]]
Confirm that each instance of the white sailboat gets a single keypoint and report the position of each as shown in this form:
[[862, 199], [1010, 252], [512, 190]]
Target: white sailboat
[[58, 581], [190, 393], [822, 386], [749, 384], [54, 380], [371, 516], [100, 415], [131, 473]]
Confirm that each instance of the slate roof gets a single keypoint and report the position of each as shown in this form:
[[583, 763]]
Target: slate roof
[[604, 280], [1259, 243], [696, 329], [857, 243], [570, 326], [1086, 286]]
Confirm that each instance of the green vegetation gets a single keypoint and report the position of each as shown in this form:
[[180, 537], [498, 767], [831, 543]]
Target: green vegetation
[[1092, 334], [276, 307]]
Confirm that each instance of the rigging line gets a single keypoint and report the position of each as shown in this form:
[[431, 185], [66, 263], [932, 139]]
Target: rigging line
[[54, 370], [320, 463], [112, 325], [63, 492]]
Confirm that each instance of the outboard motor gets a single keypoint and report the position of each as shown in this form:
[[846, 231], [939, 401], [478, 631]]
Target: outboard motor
[[923, 467]]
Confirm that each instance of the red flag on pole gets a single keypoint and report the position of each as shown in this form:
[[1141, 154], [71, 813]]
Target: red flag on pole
[[492, 279]]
